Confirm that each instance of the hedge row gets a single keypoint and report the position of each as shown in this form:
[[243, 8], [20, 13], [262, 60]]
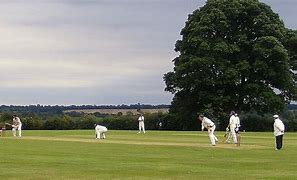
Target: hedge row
[[250, 121]]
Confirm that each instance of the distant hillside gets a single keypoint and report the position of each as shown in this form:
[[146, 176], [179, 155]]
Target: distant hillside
[[104, 109], [117, 111]]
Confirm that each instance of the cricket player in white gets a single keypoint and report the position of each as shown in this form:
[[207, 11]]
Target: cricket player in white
[[16, 126], [227, 134], [210, 126], [100, 131], [279, 130], [233, 124], [141, 124]]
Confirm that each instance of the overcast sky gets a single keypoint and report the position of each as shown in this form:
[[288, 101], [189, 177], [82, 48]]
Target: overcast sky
[[94, 51]]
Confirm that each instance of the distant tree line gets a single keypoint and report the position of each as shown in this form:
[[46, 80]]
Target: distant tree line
[[53, 118], [77, 120], [47, 109]]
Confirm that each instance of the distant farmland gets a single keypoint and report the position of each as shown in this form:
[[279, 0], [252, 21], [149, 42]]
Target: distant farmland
[[116, 111]]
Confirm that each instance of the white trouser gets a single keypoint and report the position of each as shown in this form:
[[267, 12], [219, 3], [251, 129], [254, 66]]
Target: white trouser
[[211, 135], [233, 134], [17, 128], [141, 126], [100, 134]]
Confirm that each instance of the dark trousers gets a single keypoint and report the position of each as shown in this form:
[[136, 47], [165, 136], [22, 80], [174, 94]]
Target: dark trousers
[[279, 141]]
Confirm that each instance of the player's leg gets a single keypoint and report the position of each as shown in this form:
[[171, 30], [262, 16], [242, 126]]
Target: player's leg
[[281, 141], [278, 142], [13, 131], [139, 127], [143, 129], [97, 134], [238, 138], [211, 137], [20, 130], [233, 135], [213, 130]]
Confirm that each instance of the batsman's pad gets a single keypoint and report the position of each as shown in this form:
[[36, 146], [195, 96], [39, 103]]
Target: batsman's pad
[[238, 139]]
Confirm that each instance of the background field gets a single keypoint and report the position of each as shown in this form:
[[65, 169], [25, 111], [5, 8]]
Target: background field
[[75, 154], [116, 111]]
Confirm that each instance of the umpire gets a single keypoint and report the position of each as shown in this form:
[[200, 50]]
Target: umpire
[[279, 130]]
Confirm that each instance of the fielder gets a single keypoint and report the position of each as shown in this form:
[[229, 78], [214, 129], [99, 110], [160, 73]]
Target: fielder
[[210, 126], [141, 124], [233, 124], [279, 130], [16, 126], [100, 131]]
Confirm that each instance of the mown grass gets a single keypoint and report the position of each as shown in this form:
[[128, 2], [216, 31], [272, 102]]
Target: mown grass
[[154, 155]]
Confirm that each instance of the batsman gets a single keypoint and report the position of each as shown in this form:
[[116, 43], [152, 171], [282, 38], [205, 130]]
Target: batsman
[[16, 126]]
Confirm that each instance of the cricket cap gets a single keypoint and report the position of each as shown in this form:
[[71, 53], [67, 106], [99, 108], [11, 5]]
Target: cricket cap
[[232, 113], [275, 116]]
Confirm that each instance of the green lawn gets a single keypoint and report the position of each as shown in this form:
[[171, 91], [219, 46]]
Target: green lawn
[[76, 154]]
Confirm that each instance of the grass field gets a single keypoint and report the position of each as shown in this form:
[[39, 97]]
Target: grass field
[[154, 155]]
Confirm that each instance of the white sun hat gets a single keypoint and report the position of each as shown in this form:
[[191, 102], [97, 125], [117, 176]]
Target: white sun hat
[[275, 116]]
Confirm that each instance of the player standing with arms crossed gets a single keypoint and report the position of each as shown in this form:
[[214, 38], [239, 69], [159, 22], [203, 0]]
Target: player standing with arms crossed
[[141, 123]]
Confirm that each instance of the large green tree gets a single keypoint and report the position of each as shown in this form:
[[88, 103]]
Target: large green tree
[[233, 55]]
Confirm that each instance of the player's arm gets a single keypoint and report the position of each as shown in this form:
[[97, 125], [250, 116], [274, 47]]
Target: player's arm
[[279, 127]]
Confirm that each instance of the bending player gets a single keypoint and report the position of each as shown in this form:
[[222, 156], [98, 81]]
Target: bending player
[[100, 131], [210, 126]]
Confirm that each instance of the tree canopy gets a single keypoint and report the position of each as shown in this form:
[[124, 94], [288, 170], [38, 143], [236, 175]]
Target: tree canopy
[[233, 55]]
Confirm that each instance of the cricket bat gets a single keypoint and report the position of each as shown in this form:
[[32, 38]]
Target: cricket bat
[[14, 126]]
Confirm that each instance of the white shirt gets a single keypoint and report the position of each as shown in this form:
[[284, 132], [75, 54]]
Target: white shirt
[[100, 128], [237, 121], [279, 127], [232, 121], [141, 118], [16, 121], [206, 123]]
